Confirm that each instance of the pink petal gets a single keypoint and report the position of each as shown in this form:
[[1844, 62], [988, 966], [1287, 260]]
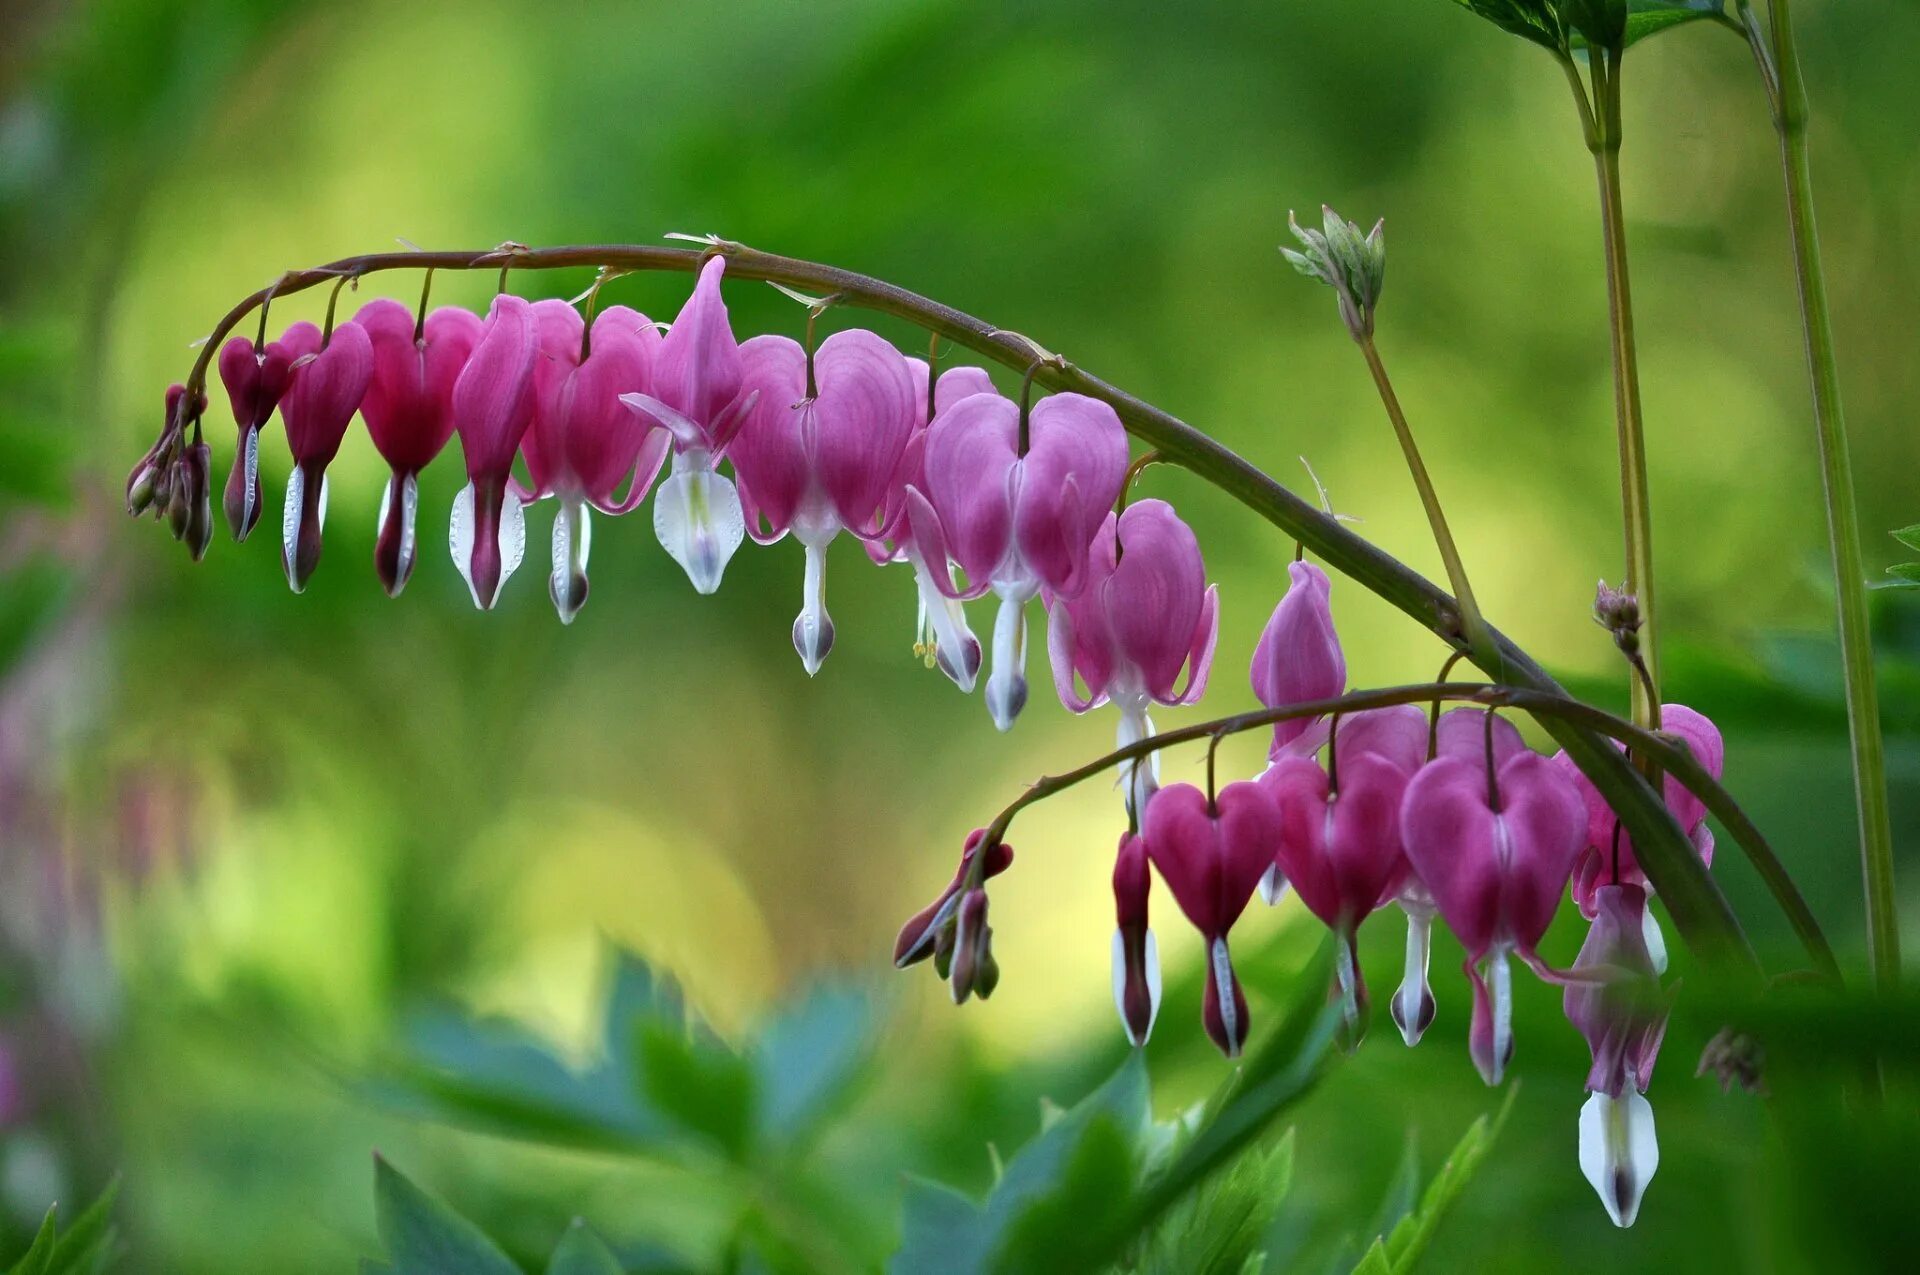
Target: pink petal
[[1206, 634], [699, 370], [1070, 652], [1156, 593], [493, 397], [1545, 826], [325, 392], [408, 407], [1397, 734], [1449, 834], [1463, 733], [769, 452], [1211, 858], [970, 456], [1077, 443], [1298, 659], [865, 412]]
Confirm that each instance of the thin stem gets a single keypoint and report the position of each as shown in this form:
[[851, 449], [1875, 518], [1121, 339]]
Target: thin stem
[[1601, 124], [1473, 627], [420, 315], [1699, 909], [1787, 91]]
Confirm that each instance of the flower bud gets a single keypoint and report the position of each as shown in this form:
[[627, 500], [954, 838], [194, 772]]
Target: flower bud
[[180, 498], [1734, 1058], [199, 472], [1136, 954], [140, 486], [924, 929], [972, 942], [1352, 264], [1618, 612]]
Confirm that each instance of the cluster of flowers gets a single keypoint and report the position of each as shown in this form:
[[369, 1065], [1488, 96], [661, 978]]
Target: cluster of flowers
[[1449, 815]]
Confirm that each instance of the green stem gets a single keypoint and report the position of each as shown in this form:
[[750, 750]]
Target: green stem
[[1601, 123], [1779, 63], [1473, 626], [1699, 910]]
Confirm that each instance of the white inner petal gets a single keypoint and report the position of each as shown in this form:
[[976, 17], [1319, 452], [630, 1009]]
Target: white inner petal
[[1223, 987], [290, 522], [1618, 1151], [1412, 996], [697, 516], [1007, 683]]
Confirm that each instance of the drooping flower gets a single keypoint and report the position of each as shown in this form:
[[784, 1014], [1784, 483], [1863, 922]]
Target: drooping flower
[[1462, 733], [492, 408], [1146, 613], [818, 452], [1623, 1017], [255, 377], [1018, 514], [1607, 857], [1136, 953], [1298, 659], [409, 413], [1211, 854], [584, 441], [1339, 844], [328, 379], [1495, 851], [941, 636], [696, 396]]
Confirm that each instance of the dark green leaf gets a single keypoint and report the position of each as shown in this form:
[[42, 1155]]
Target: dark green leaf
[[424, 1236], [1060, 1229], [1400, 1250], [940, 1232], [1906, 571], [1908, 536], [87, 1245], [34, 1260], [698, 1084], [1217, 1229], [1601, 23], [1533, 20], [581, 1252]]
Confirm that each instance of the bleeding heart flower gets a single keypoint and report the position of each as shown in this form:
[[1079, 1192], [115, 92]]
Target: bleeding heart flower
[[1298, 659], [409, 413], [328, 379], [492, 408], [1495, 851], [1136, 953], [1211, 854], [940, 634], [1623, 1016], [818, 453], [1145, 614], [585, 441], [1608, 855], [1339, 840], [255, 378], [696, 397], [1016, 521]]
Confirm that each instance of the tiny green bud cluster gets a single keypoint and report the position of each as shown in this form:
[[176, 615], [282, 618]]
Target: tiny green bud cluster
[[1352, 264]]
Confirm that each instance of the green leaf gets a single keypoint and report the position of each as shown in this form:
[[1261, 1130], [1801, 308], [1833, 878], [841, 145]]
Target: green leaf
[[1601, 23], [424, 1236], [1401, 1249], [698, 1084], [40, 1252], [1906, 571], [808, 1059], [940, 1232], [1218, 1228], [1908, 536], [1534, 20], [1651, 17], [89, 1244], [581, 1252]]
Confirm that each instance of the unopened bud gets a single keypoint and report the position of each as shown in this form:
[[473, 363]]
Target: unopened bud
[[971, 944], [140, 484], [1618, 612], [199, 462], [1136, 956], [1353, 264], [180, 498], [923, 930], [1734, 1058], [988, 976]]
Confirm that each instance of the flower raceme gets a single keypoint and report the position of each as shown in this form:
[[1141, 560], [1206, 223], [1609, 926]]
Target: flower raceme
[[1016, 498], [818, 453], [1145, 613]]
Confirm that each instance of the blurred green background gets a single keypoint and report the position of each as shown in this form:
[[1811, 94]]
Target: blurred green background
[[245, 835]]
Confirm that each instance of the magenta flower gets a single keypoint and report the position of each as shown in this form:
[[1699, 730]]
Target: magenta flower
[[1495, 851], [1211, 854], [409, 413], [1607, 858], [492, 408], [696, 398], [255, 378], [1339, 840], [584, 441], [1298, 659], [1016, 519], [329, 376], [941, 636], [818, 453], [1145, 614], [1623, 1017], [1136, 953]]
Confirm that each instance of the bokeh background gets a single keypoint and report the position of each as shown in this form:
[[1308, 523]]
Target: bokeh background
[[245, 835]]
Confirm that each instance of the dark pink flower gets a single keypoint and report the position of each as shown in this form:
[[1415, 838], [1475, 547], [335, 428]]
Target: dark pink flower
[[585, 442], [255, 379], [1211, 855], [328, 379], [818, 453], [696, 397], [1298, 659], [409, 414], [1623, 1016], [492, 407], [1145, 614], [1015, 521], [1136, 953], [1496, 857]]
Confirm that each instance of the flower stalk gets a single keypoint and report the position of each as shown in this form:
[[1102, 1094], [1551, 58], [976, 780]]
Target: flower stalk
[[1778, 60]]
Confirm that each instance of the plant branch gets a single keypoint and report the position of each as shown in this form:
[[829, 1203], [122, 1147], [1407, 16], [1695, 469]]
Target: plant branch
[[1699, 909], [1779, 63]]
